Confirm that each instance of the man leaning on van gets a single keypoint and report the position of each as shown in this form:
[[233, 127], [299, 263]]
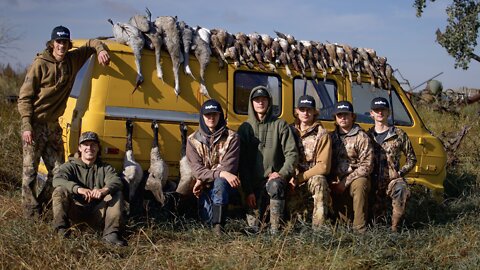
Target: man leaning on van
[[42, 100]]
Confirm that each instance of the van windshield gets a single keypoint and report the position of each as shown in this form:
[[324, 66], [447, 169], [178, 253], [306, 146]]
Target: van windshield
[[324, 93], [362, 95]]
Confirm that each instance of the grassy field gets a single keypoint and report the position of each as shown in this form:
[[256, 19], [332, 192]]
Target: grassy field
[[435, 235]]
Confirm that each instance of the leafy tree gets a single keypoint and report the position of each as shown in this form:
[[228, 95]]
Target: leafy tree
[[460, 36]]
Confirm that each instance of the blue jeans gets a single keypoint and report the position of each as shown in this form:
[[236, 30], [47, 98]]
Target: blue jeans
[[218, 193]]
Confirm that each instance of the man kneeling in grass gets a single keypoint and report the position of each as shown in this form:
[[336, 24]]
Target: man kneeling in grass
[[88, 190]]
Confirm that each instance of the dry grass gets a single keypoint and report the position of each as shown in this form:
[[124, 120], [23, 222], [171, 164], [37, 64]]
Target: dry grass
[[435, 235]]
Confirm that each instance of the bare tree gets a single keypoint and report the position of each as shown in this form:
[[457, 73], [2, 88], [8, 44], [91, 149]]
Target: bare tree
[[8, 37], [460, 35]]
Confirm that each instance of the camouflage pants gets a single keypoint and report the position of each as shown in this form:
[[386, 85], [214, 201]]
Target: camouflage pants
[[298, 202], [353, 203], [47, 145], [397, 191], [103, 214]]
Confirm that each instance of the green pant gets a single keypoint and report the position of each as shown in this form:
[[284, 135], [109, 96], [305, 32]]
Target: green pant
[[103, 214], [353, 202]]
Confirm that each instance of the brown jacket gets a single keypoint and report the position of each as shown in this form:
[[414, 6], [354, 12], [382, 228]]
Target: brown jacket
[[44, 93], [208, 158], [315, 151]]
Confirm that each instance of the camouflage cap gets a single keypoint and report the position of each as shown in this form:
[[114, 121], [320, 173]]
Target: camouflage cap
[[88, 136]]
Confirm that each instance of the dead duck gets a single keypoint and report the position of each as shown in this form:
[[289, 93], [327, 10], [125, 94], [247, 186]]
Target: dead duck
[[202, 51], [186, 33], [158, 171], [132, 171], [128, 34], [185, 185]]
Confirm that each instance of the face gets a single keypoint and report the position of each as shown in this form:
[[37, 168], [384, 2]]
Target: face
[[88, 150], [380, 115], [211, 120], [60, 48], [306, 115], [344, 120], [260, 105]]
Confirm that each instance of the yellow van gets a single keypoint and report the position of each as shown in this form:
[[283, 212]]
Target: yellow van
[[102, 100]]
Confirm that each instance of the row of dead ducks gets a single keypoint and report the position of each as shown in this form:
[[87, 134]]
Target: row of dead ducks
[[179, 39], [158, 170]]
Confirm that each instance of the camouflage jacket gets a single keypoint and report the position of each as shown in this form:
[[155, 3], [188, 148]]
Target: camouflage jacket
[[208, 159], [315, 151], [352, 155], [387, 155]]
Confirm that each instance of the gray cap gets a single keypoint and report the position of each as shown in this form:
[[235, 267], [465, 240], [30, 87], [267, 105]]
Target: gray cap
[[88, 136], [260, 91]]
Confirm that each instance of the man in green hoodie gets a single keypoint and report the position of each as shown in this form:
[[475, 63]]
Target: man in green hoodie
[[42, 100], [268, 157], [88, 190]]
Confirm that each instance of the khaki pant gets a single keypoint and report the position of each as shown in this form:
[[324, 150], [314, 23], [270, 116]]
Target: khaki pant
[[103, 214], [353, 203], [47, 145]]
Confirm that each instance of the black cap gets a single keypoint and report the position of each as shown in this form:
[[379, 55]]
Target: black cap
[[88, 136], [343, 107], [260, 91], [211, 106], [306, 101], [379, 103], [60, 32]]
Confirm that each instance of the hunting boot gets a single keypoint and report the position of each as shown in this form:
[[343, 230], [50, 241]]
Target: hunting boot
[[276, 210], [397, 214], [218, 218]]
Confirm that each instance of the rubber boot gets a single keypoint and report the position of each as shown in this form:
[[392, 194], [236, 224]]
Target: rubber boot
[[276, 211], [218, 218], [397, 214]]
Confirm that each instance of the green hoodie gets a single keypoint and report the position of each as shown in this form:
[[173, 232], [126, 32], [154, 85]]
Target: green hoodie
[[265, 146], [75, 174], [48, 83]]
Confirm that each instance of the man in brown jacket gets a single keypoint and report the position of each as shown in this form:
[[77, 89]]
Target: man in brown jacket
[[315, 153], [42, 100], [352, 163]]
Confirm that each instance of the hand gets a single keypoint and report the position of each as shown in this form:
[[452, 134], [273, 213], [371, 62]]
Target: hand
[[274, 175], [292, 183], [103, 58], [197, 188], [99, 193], [27, 137], [87, 194], [251, 201], [232, 179]]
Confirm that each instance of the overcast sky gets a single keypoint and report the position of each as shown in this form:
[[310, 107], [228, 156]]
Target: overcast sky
[[390, 27]]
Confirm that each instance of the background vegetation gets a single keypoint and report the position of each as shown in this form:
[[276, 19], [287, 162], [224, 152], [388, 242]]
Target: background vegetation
[[436, 235]]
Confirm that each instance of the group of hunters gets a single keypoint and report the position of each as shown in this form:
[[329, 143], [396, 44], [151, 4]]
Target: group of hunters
[[351, 174]]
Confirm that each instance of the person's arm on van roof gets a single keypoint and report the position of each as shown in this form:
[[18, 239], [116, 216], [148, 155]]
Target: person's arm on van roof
[[80, 55], [410, 157], [290, 152], [323, 160], [364, 166]]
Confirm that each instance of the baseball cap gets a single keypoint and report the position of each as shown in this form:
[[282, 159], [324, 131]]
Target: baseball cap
[[342, 107], [260, 91], [306, 101], [379, 103], [60, 32], [88, 136], [211, 106]]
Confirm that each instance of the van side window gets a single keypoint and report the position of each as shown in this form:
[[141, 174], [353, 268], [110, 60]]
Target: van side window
[[244, 82], [324, 93], [81, 77], [363, 94]]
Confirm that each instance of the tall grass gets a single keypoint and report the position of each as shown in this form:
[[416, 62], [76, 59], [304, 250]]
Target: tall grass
[[435, 235]]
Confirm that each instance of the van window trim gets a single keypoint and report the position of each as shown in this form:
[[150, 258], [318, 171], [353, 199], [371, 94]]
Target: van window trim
[[113, 112]]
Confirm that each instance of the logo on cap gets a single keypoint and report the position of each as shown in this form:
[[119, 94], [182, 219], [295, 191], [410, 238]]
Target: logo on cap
[[380, 102], [306, 101], [211, 107], [61, 34], [343, 106]]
